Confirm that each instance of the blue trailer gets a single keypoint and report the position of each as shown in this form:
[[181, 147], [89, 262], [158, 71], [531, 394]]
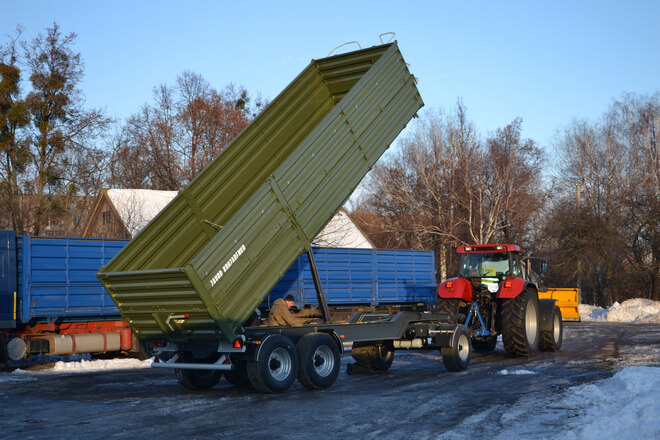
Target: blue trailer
[[51, 301], [361, 279]]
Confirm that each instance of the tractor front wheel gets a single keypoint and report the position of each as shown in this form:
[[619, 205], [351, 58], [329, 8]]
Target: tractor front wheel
[[551, 340]]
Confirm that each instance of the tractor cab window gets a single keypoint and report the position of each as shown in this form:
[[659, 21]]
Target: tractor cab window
[[488, 264], [516, 266]]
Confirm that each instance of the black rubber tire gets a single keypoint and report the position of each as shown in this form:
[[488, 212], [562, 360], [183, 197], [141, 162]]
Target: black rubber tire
[[457, 356], [238, 376], [551, 340], [138, 349], [4, 354], [197, 379], [520, 324], [378, 357], [453, 306], [319, 361], [276, 367], [484, 344]]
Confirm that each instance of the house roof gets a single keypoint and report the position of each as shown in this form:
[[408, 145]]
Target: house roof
[[342, 231], [136, 207]]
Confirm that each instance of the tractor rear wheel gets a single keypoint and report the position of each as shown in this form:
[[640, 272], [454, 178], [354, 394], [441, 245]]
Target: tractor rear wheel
[[452, 306], [551, 340], [520, 324]]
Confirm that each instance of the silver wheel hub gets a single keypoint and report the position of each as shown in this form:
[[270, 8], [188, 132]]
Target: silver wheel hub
[[463, 347], [531, 323], [324, 361], [279, 364], [556, 329]]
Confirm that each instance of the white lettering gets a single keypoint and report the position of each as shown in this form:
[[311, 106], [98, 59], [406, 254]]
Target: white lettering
[[227, 265]]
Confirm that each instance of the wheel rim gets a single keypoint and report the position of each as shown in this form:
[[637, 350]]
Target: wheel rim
[[384, 353], [463, 347], [556, 331], [279, 364], [324, 361], [531, 324]]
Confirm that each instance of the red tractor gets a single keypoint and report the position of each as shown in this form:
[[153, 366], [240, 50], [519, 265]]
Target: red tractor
[[493, 295]]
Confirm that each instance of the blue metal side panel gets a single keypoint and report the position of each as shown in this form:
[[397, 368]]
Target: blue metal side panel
[[7, 279], [57, 277], [361, 276]]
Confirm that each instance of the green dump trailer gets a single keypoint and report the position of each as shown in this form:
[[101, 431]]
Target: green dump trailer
[[191, 278]]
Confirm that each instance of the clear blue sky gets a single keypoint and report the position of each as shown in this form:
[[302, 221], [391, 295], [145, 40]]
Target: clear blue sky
[[547, 62]]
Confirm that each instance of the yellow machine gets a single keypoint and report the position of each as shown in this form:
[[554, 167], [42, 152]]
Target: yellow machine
[[567, 298]]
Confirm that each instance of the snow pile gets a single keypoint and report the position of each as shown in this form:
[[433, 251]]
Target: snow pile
[[98, 365], [90, 366], [515, 372], [626, 406], [638, 310]]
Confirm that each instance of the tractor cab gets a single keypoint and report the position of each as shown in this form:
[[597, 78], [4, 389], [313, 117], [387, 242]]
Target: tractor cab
[[490, 264]]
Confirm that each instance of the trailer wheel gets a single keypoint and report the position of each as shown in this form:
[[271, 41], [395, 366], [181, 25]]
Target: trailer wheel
[[520, 324], [456, 357], [4, 354], [276, 366], [197, 379], [319, 361], [551, 340], [238, 376], [485, 344], [378, 357]]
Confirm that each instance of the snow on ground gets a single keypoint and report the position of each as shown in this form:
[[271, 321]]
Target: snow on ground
[[637, 310], [515, 372], [625, 406], [82, 366]]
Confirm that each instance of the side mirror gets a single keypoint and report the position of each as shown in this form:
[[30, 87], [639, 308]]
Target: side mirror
[[544, 266]]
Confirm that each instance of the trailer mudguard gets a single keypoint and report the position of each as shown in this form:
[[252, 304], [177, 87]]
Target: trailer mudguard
[[207, 260]]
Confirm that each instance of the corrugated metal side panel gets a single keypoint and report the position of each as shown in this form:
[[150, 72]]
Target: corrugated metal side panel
[[151, 301], [178, 233], [56, 277], [269, 232], [361, 276], [8, 282], [407, 276]]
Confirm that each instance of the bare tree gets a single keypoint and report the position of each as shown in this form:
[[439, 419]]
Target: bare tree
[[444, 186], [166, 144]]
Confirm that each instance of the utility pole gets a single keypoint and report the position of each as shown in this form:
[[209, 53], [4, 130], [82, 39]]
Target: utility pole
[[579, 261]]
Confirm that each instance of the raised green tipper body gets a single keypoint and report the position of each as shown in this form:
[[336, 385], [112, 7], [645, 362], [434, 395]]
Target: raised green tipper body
[[200, 268]]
